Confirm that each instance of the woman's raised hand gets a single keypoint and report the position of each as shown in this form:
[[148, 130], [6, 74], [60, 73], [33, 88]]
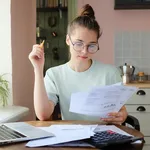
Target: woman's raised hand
[[37, 56], [117, 117]]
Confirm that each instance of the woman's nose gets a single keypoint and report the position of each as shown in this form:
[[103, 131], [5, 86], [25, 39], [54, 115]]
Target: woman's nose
[[85, 50]]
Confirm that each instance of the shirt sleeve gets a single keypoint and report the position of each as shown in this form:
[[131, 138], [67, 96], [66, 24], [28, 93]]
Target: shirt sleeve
[[117, 76], [114, 76], [50, 86]]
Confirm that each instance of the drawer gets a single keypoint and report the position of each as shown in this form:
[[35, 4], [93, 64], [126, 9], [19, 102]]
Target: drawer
[[144, 119], [146, 147], [140, 99], [138, 108], [147, 141]]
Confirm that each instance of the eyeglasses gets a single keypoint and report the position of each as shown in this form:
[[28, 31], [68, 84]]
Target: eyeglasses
[[79, 46]]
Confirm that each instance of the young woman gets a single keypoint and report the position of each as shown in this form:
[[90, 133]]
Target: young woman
[[78, 75]]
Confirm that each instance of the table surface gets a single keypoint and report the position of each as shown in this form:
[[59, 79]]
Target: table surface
[[142, 85], [21, 146]]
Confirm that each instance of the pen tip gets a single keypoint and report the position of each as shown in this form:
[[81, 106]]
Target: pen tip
[[42, 44]]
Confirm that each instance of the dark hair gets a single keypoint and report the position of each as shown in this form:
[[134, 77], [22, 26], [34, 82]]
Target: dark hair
[[85, 19]]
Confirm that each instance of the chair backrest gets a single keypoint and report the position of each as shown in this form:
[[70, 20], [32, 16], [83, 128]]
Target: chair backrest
[[133, 121], [56, 114]]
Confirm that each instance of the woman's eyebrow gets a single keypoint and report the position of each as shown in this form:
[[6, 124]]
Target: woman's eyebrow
[[92, 42], [79, 40]]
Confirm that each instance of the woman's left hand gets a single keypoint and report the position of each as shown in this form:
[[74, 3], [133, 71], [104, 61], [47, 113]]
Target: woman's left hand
[[116, 117]]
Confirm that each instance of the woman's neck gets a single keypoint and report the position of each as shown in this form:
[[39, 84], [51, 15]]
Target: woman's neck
[[80, 66]]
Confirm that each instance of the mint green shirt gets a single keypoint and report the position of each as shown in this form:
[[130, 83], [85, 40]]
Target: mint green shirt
[[62, 81]]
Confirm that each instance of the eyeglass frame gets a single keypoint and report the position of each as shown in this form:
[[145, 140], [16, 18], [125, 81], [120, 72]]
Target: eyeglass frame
[[83, 46]]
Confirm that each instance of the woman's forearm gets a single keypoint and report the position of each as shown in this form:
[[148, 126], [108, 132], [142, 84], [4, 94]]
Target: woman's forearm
[[43, 107]]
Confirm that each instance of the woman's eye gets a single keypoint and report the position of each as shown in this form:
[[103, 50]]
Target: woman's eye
[[79, 44], [92, 46]]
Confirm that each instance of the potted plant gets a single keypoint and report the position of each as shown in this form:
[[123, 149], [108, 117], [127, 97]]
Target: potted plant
[[4, 90]]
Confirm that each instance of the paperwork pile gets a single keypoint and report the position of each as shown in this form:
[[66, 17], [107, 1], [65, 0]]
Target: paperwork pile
[[63, 134], [71, 135], [100, 101]]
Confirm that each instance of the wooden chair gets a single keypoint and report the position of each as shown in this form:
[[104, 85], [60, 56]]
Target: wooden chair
[[133, 121]]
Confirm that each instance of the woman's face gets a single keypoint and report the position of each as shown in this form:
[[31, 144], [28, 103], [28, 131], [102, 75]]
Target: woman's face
[[82, 37]]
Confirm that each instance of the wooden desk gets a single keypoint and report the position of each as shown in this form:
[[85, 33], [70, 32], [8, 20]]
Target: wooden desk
[[21, 146]]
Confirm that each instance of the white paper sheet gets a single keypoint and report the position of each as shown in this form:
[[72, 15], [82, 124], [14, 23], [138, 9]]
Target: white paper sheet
[[64, 133], [100, 101], [79, 143]]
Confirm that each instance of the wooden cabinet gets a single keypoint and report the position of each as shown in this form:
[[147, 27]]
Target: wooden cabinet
[[146, 147], [139, 106]]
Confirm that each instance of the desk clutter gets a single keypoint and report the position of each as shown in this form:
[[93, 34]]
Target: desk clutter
[[84, 136]]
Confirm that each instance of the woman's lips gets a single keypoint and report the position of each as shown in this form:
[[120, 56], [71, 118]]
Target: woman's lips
[[83, 57]]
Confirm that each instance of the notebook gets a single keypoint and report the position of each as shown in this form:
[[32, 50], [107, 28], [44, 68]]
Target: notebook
[[20, 131]]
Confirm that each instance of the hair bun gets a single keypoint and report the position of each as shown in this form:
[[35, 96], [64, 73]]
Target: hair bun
[[87, 10]]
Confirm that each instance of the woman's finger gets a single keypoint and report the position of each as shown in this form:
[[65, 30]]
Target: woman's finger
[[37, 47], [35, 54], [39, 52], [115, 114], [113, 119], [117, 123]]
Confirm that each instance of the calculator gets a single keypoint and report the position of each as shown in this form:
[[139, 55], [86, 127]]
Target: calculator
[[110, 138]]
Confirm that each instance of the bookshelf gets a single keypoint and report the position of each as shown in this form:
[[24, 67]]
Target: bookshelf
[[52, 21], [52, 9], [52, 3]]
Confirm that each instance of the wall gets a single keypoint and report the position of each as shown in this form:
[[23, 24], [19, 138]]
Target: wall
[[23, 32], [112, 21]]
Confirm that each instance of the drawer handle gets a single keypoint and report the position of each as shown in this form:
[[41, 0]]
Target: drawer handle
[[141, 108], [141, 92]]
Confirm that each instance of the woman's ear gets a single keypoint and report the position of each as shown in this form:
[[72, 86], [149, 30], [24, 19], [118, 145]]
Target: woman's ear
[[67, 40]]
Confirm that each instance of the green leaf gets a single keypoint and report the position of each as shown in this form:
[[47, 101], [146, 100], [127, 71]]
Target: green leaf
[[4, 90]]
